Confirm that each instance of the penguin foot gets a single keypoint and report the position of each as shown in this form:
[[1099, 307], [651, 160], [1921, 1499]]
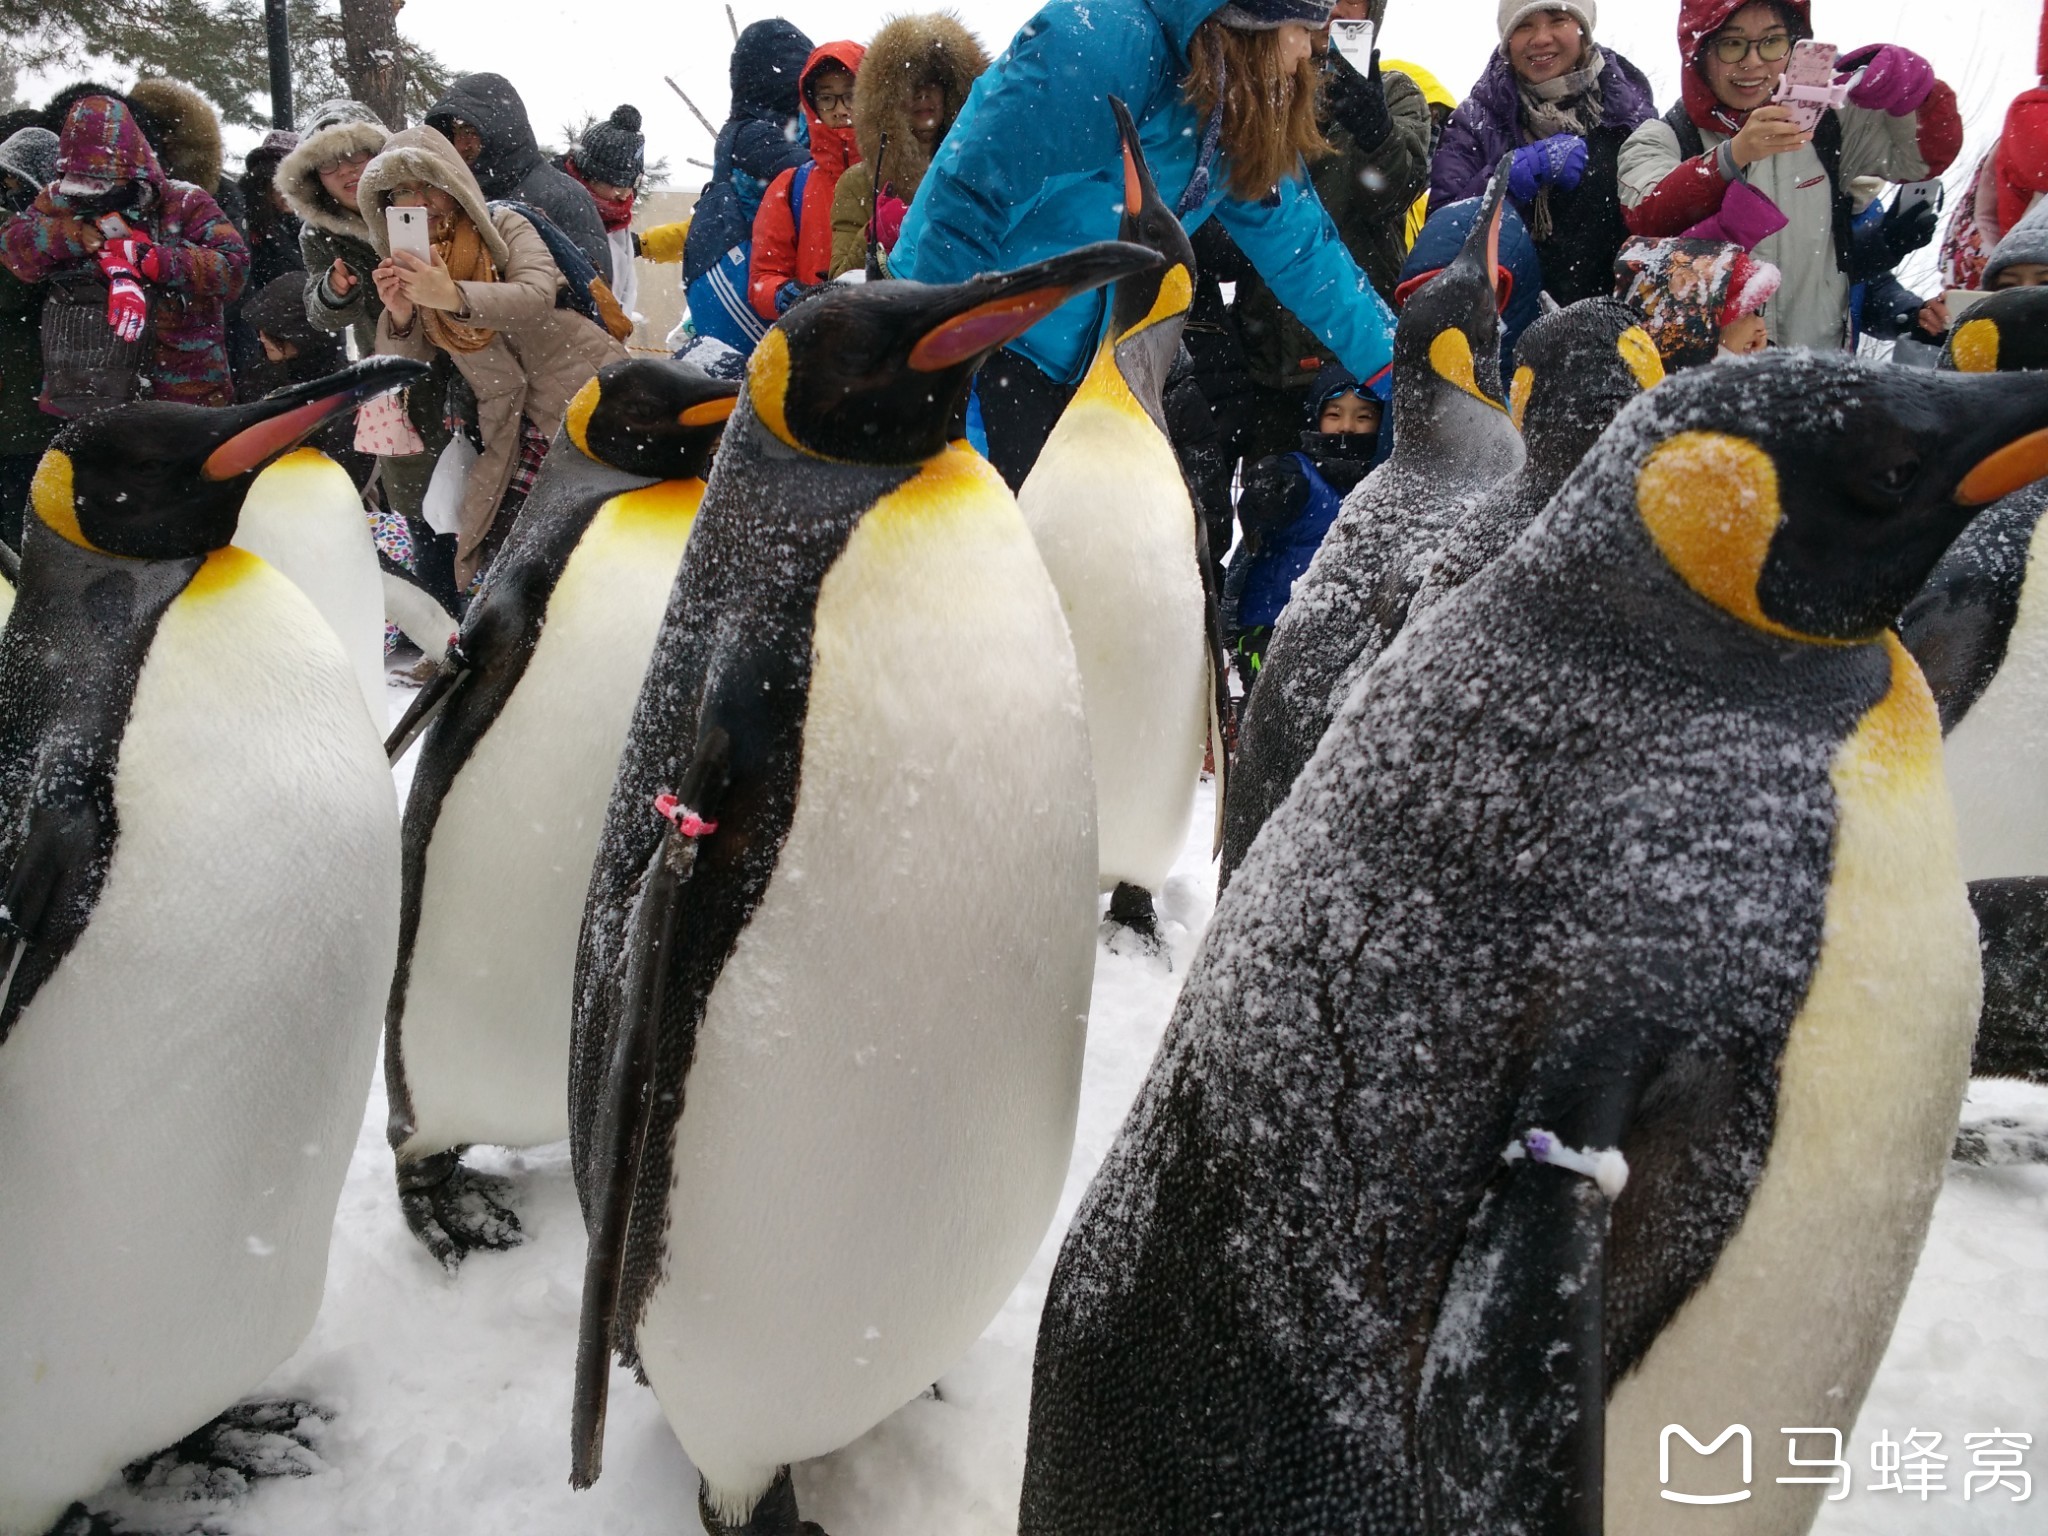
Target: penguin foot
[[218, 1461], [2001, 1144], [775, 1515], [1133, 923], [455, 1211]]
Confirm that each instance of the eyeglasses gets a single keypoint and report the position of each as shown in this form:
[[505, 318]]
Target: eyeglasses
[[832, 101], [1730, 48], [329, 167]]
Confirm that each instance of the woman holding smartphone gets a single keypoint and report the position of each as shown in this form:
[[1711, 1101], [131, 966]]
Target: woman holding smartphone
[[1729, 157], [485, 294]]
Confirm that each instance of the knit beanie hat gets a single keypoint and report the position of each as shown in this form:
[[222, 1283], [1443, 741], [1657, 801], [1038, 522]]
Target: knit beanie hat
[[2026, 242], [1513, 13], [1265, 15], [1751, 283], [276, 144], [614, 150], [31, 154]]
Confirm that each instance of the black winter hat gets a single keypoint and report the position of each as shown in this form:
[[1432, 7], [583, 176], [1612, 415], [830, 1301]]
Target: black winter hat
[[278, 310], [614, 150], [1264, 15]]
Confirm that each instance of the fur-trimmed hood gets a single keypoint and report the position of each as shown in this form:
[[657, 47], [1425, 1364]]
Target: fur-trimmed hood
[[424, 155], [334, 128], [182, 128], [911, 51]]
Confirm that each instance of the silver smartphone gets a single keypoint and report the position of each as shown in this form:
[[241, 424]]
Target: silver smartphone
[[408, 228], [1353, 39], [1916, 193]]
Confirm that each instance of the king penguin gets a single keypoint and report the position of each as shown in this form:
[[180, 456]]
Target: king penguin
[[1574, 371], [1979, 629], [305, 519], [529, 715], [199, 870], [834, 977], [1580, 1050], [1453, 439], [1110, 511]]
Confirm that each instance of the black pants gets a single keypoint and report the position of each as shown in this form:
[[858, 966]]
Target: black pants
[[1020, 405]]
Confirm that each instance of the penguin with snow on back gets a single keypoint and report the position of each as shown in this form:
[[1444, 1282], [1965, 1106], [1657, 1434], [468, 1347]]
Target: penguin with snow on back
[[1117, 528], [1575, 370], [1979, 630], [524, 725], [833, 984], [1610, 962], [1453, 439], [199, 871]]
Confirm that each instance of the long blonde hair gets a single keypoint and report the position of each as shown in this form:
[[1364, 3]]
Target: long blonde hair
[[1269, 114]]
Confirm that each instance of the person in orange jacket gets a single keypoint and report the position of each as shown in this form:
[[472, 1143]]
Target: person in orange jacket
[[793, 230]]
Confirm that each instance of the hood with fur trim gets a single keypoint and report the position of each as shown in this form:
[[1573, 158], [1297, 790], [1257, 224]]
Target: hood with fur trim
[[424, 155], [333, 129], [909, 52], [182, 127]]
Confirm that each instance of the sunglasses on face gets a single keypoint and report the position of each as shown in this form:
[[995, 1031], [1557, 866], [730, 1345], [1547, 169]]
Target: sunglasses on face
[[1771, 47]]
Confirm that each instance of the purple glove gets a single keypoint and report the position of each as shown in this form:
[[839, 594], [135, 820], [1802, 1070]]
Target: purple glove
[[1558, 161], [1895, 80], [1746, 218]]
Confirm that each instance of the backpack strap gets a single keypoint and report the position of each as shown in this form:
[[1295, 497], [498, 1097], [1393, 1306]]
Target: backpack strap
[[798, 184], [1691, 142]]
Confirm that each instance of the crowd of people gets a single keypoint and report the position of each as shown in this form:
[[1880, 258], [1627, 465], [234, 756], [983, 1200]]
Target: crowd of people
[[1322, 185]]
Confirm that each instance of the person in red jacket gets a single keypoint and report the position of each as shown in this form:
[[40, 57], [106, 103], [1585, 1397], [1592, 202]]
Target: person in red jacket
[[793, 230]]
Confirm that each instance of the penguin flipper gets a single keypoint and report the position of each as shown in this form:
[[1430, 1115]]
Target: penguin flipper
[[2012, 933], [49, 887], [1511, 1421], [439, 693], [1219, 674], [622, 1120]]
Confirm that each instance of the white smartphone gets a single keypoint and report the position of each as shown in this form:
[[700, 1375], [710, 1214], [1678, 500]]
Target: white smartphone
[[408, 228], [1917, 193], [1353, 39]]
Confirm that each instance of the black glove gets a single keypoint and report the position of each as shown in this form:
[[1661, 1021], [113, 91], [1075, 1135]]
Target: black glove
[[1358, 102], [1879, 247], [1275, 494]]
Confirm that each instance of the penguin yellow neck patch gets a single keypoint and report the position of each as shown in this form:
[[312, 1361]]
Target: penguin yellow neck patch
[[1176, 297], [222, 571], [1642, 356], [1975, 347], [576, 420], [768, 385], [50, 494], [1451, 356], [1711, 504], [1518, 395]]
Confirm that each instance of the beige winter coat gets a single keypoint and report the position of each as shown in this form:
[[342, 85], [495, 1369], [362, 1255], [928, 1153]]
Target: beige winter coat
[[541, 355]]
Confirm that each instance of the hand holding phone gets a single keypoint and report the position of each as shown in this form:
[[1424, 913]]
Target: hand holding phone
[[1807, 89], [408, 228]]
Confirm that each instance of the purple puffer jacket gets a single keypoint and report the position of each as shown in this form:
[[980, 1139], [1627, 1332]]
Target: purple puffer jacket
[[1485, 126], [204, 261]]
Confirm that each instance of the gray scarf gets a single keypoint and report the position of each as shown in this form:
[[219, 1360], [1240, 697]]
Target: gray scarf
[[1572, 104]]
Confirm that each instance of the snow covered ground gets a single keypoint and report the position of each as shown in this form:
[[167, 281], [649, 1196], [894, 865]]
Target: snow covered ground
[[450, 1397]]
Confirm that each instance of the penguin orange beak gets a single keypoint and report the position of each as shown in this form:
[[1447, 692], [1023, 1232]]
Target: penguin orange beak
[[274, 426], [2014, 467], [708, 413], [997, 310]]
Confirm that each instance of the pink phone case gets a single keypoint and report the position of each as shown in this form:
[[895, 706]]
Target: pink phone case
[[1808, 84]]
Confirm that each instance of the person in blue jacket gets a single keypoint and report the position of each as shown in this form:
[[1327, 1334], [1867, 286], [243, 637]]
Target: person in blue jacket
[[1224, 98]]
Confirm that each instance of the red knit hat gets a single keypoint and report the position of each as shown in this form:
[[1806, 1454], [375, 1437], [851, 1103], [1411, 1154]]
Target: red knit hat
[[1750, 286]]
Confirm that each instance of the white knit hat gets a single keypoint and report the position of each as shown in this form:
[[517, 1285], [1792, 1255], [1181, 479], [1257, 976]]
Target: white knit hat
[[1513, 13]]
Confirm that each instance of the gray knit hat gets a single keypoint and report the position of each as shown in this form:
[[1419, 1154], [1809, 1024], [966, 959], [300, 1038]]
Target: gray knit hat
[[2026, 241], [31, 154], [614, 150], [1266, 15], [1513, 13]]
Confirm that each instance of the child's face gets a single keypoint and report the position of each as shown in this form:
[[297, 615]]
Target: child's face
[[1746, 335], [277, 351], [832, 95], [2022, 274], [1350, 413]]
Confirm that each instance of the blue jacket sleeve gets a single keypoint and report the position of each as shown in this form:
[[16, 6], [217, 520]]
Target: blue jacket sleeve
[[1460, 169], [1295, 247], [1038, 115]]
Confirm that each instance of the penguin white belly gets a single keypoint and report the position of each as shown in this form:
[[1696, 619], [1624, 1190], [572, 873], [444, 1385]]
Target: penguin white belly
[[485, 1037], [303, 516], [179, 1102], [881, 1107], [1998, 755], [1788, 1328], [1110, 512]]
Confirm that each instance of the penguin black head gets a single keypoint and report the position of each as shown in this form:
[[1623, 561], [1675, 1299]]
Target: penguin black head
[[875, 373], [1451, 325], [2006, 333], [1810, 495], [1574, 371], [1149, 309], [155, 481], [651, 416]]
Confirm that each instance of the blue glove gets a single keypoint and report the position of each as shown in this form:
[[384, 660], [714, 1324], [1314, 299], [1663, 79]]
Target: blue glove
[[1558, 161]]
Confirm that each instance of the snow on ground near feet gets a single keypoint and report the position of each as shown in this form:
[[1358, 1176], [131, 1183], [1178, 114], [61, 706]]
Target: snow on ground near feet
[[450, 1397]]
